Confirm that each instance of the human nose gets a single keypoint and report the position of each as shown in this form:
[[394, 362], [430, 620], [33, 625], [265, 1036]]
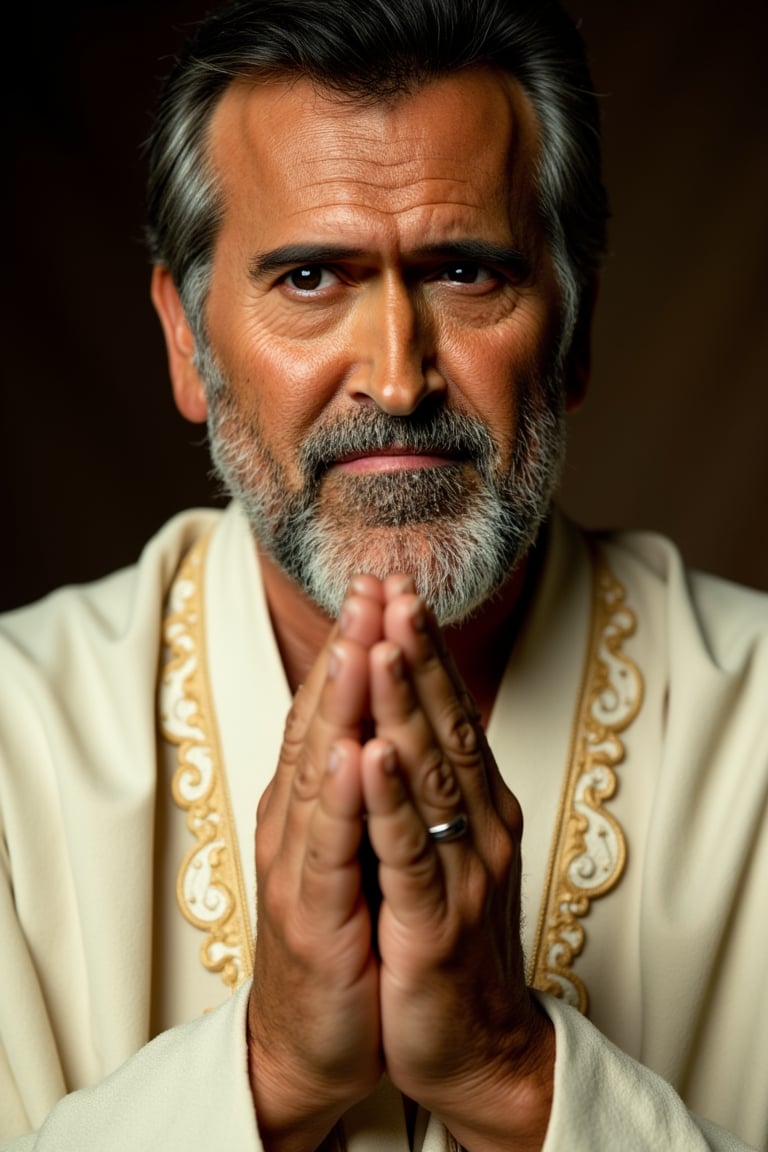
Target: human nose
[[394, 350]]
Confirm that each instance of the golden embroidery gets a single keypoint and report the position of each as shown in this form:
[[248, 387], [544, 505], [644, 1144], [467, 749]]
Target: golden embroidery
[[209, 888], [589, 851]]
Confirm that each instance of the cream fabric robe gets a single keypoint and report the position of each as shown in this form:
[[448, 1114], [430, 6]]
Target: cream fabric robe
[[670, 710]]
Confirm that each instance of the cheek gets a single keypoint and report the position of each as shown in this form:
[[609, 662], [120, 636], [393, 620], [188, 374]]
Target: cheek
[[485, 372], [299, 379], [294, 384], [283, 391]]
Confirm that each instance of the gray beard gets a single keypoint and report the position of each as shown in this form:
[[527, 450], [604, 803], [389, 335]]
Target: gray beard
[[459, 529]]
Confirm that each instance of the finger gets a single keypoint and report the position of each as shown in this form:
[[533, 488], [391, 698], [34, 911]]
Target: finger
[[341, 707], [426, 787], [361, 616], [410, 874], [274, 801], [415, 706], [317, 1020], [398, 584], [322, 713], [409, 622], [364, 584], [330, 886], [314, 888], [446, 702], [360, 621]]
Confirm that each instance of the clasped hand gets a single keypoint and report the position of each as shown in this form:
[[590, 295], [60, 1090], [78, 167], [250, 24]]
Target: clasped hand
[[415, 969]]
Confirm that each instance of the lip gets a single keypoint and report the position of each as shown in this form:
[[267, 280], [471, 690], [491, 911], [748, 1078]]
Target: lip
[[392, 460]]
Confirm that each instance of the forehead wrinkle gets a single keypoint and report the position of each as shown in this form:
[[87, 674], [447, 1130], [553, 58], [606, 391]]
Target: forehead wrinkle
[[372, 180], [385, 156], [368, 182], [386, 173], [334, 139], [392, 185], [405, 182], [368, 196], [398, 175], [412, 211], [453, 213], [408, 199]]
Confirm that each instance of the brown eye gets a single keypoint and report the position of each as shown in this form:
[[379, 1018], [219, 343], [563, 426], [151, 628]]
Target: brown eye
[[463, 273], [467, 273], [309, 278]]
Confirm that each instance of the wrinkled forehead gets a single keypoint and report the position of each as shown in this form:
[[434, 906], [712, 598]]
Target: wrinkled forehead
[[469, 139]]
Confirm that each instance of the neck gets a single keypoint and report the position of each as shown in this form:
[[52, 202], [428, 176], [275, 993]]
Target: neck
[[480, 645], [300, 627]]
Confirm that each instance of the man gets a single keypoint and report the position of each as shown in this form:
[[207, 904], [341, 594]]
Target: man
[[376, 230]]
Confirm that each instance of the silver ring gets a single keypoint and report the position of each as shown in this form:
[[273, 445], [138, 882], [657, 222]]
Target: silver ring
[[455, 828]]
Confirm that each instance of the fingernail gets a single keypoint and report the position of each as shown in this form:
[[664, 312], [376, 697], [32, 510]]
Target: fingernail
[[334, 661], [402, 584], [388, 761], [334, 759], [419, 615], [395, 664]]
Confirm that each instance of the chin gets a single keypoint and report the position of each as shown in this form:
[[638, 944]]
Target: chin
[[455, 566]]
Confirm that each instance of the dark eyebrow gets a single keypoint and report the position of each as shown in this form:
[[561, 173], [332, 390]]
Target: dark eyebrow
[[477, 252], [295, 255], [266, 264]]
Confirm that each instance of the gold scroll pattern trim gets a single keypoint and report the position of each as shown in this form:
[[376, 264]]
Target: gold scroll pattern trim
[[589, 850], [209, 887]]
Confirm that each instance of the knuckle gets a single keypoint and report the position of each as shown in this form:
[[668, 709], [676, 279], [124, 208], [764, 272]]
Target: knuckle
[[409, 848], [438, 784], [507, 856], [306, 778], [504, 856], [317, 860], [460, 734], [295, 727], [511, 815], [414, 846]]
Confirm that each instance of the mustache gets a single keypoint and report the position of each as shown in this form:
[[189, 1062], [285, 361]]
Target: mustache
[[443, 432]]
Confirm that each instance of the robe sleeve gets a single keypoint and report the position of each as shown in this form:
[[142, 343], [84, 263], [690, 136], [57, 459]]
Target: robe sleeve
[[187, 1089], [604, 1100]]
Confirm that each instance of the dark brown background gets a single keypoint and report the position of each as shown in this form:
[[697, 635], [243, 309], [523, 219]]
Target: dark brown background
[[673, 437]]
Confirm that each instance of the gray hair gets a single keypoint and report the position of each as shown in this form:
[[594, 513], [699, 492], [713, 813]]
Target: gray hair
[[372, 51]]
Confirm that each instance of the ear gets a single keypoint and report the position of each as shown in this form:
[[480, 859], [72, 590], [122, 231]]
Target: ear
[[188, 388], [578, 364]]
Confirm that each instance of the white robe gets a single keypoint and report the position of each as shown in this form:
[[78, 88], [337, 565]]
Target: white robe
[[669, 962]]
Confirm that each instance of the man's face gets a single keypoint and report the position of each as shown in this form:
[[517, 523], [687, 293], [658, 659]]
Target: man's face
[[383, 333]]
